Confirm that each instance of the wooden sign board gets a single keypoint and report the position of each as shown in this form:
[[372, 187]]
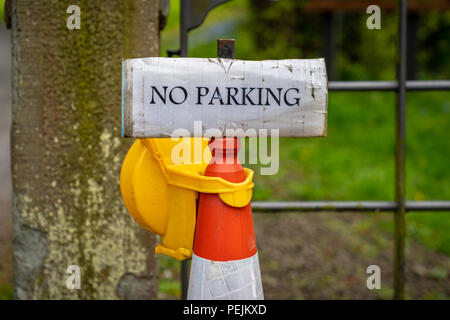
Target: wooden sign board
[[160, 95]]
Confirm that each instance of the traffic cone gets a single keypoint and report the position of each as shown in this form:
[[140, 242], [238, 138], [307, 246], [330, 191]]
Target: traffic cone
[[225, 261]]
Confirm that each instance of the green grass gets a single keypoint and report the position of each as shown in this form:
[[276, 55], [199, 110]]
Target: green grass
[[430, 228], [169, 275], [356, 159], [170, 287], [6, 292]]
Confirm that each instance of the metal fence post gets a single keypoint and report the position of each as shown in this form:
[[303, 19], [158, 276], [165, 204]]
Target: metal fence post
[[184, 279], [400, 150], [184, 14]]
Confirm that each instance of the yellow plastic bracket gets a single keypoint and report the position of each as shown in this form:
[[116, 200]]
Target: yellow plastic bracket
[[161, 195]]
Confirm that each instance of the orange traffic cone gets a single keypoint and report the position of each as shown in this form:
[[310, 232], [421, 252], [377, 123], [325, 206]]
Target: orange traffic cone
[[225, 261]]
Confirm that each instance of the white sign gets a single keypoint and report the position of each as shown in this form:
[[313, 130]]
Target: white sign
[[160, 95]]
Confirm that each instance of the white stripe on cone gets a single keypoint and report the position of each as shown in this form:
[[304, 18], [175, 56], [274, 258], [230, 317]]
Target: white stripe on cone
[[223, 280]]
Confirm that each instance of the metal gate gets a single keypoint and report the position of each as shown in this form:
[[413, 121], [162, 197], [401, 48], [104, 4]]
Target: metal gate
[[400, 206]]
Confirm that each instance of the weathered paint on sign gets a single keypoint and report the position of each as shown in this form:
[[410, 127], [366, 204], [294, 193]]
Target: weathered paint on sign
[[160, 95]]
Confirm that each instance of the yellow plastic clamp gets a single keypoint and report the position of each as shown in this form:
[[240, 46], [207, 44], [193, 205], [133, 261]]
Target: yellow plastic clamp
[[161, 195]]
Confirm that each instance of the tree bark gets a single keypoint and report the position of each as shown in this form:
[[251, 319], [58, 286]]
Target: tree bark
[[67, 150]]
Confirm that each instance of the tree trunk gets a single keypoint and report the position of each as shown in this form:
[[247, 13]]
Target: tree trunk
[[67, 150]]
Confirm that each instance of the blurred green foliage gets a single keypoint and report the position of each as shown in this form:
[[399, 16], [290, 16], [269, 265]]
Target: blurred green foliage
[[268, 29], [356, 159], [284, 29], [434, 47], [169, 286], [2, 8]]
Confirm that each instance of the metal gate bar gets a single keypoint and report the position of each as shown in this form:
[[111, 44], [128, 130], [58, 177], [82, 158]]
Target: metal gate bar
[[413, 85]]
